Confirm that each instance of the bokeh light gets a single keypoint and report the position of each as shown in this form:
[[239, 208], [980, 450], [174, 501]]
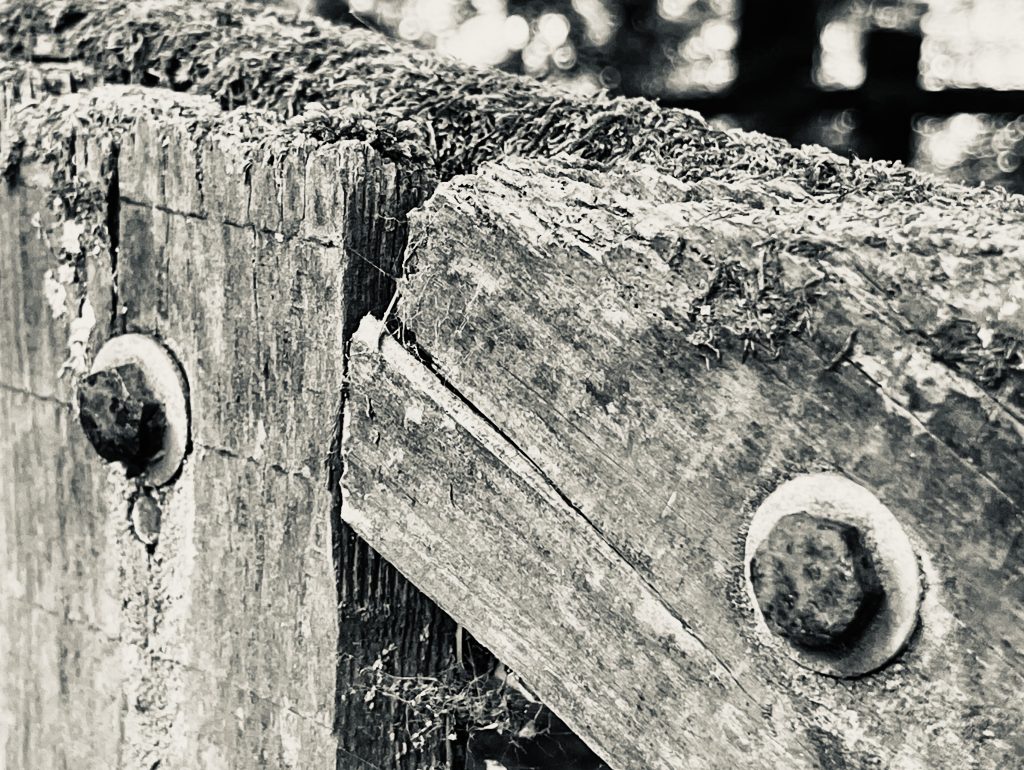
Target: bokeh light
[[676, 49], [973, 43]]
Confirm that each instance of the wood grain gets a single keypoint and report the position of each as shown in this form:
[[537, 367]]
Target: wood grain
[[440, 492], [664, 342], [597, 318], [244, 245]]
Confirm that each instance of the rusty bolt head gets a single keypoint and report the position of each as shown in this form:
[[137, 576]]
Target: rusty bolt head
[[122, 416], [134, 407], [815, 581]]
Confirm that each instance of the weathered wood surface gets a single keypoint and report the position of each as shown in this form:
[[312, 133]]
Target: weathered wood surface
[[655, 356], [535, 581], [541, 294], [241, 243]]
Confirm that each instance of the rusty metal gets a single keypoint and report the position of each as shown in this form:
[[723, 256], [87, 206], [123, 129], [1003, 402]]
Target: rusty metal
[[122, 416], [133, 408], [815, 581]]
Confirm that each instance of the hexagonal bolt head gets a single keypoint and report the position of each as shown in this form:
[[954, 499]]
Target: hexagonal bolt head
[[815, 582], [122, 416]]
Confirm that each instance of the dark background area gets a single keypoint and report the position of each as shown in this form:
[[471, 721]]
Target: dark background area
[[938, 84]]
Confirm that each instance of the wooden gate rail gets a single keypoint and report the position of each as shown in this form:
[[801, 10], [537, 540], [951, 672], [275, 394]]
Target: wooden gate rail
[[589, 443], [601, 373]]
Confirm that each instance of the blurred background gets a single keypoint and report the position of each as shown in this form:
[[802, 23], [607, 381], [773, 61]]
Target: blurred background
[[938, 84]]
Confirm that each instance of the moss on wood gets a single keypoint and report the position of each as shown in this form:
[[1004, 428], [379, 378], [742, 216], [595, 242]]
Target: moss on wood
[[244, 54], [352, 83]]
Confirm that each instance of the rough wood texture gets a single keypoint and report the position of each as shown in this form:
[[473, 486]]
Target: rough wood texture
[[241, 243], [428, 481], [456, 118], [60, 532], [663, 354], [618, 325]]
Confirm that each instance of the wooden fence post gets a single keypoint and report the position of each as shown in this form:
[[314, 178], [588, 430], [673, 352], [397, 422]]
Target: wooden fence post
[[620, 339], [238, 631]]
